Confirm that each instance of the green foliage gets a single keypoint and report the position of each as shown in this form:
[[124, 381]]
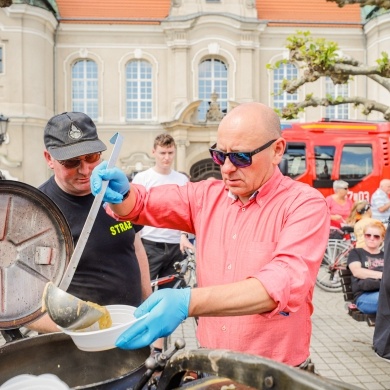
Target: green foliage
[[383, 62], [317, 52], [317, 58]]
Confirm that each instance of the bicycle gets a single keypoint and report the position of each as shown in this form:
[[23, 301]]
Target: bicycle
[[184, 275], [335, 259], [185, 278]]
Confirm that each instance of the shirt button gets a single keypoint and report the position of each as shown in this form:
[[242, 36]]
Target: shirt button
[[243, 209], [223, 328], [234, 237], [229, 266]]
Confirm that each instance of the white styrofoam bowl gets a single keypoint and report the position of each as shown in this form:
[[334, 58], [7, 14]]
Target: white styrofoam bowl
[[92, 339]]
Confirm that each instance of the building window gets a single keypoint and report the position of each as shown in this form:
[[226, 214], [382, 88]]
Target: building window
[[85, 88], [213, 77], [284, 72], [139, 91], [340, 111], [1, 60]]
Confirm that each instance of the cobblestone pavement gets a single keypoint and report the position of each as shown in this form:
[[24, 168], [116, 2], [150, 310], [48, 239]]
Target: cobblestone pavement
[[341, 347]]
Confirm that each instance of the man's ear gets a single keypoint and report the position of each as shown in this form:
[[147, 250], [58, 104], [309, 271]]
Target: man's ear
[[279, 148], [49, 159]]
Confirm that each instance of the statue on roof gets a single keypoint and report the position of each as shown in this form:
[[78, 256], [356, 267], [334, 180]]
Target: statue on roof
[[176, 3], [214, 113], [5, 3]]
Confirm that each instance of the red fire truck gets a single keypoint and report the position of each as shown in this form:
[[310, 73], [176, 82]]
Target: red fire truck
[[318, 153]]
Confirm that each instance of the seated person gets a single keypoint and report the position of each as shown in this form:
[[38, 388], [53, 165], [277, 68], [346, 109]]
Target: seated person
[[366, 265]]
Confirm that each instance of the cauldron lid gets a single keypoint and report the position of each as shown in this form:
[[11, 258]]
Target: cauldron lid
[[35, 247]]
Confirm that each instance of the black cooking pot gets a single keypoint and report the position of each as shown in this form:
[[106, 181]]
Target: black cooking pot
[[228, 369], [35, 247], [56, 354]]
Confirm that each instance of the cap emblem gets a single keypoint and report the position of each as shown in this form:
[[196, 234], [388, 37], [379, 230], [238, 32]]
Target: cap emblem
[[75, 133]]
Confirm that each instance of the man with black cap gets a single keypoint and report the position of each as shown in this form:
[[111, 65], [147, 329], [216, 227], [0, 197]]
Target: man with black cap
[[113, 268]]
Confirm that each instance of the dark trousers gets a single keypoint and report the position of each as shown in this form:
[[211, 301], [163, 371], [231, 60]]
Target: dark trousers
[[161, 257]]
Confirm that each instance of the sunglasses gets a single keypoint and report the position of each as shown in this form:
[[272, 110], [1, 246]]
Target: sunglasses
[[375, 236], [75, 162], [238, 159]]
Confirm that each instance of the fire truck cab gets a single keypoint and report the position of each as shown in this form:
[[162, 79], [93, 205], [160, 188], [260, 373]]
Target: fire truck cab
[[318, 153]]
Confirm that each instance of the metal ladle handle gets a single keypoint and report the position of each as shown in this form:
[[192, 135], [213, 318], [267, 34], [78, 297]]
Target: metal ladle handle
[[117, 140]]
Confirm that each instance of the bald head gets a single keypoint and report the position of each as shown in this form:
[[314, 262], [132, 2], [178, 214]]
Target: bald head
[[257, 119]]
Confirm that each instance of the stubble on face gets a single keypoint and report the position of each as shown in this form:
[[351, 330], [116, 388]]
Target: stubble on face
[[74, 181], [246, 128]]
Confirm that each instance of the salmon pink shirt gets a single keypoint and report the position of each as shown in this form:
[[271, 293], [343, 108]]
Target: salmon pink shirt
[[278, 237]]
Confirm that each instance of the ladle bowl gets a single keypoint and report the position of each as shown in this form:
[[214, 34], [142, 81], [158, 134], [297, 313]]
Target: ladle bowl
[[68, 311]]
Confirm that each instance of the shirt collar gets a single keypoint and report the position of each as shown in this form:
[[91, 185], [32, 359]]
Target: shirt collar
[[265, 189]]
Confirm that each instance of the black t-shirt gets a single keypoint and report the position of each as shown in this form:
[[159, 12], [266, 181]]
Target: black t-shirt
[[367, 260], [382, 320], [108, 272]]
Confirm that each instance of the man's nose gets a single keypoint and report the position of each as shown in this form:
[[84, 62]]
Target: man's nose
[[84, 167], [228, 166]]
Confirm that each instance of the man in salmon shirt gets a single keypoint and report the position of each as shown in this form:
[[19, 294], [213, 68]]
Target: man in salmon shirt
[[260, 238]]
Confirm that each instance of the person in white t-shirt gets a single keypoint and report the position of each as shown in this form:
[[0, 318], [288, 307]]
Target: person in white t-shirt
[[380, 201], [164, 247]]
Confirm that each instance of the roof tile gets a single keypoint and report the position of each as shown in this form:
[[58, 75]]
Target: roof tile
[[274, 11], [307, 11], [114, 9]]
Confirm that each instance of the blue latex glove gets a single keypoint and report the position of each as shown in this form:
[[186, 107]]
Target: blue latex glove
[[167, 309], [118, 183]]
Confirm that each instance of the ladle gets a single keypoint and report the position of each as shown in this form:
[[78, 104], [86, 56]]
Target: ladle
[[65, 309], [68, 311]]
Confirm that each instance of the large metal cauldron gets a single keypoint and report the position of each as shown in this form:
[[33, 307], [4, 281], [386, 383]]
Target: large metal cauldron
[[56, 354], [35, 247], [241, 372]]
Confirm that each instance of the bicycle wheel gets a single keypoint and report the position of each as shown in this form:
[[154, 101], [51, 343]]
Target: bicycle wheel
[[328, 278]]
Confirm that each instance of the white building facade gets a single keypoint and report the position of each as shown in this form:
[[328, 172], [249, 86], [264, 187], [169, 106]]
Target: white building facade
[[142, 77]]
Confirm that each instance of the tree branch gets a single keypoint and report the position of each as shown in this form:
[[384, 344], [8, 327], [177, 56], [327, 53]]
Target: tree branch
[[379, 3], [292, 109]]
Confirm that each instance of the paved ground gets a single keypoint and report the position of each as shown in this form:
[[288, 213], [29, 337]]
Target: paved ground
[[341, 347]]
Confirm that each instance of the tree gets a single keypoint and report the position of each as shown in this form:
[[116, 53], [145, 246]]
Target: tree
[[322, 58], [379, 3]]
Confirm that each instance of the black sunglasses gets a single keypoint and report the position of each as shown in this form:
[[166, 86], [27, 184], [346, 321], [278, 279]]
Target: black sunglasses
[[238, 159], [75, 162]]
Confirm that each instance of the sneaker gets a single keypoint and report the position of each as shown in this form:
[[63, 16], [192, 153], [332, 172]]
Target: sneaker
[[382, 358]]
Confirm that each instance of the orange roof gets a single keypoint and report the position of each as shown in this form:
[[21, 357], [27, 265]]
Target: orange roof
[[113, 9], [287, 11], [276, 12]]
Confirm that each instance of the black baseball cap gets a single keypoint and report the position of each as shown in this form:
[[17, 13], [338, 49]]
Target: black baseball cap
[[71, 134]]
